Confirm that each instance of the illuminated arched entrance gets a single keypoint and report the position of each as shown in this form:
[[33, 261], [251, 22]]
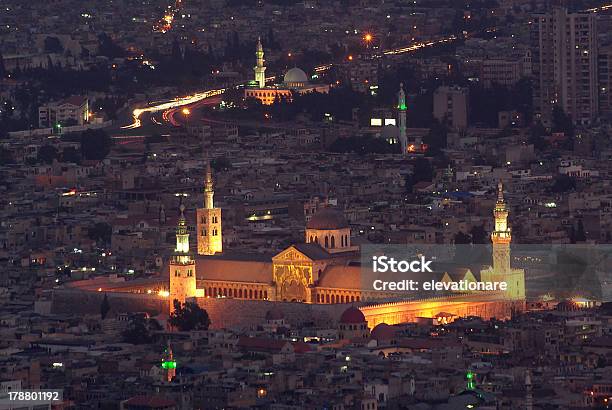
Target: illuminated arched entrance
[[293, 291]]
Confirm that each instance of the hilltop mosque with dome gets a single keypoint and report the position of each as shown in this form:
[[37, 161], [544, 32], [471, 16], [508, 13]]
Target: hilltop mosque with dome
[[294, 81]]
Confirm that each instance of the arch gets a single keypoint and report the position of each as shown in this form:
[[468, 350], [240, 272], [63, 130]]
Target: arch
[[250, 293], [326, 241], [265, 294], [327, 298], [333, 242]]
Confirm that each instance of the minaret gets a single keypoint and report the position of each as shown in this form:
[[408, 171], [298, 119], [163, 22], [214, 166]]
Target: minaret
[[182, 266], [501, 271], [529, 391], [210, 239], [501, 236], [168, 363], [260, 69], [401, 106]]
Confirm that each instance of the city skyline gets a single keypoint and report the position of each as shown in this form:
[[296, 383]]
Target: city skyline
[[285, 205]]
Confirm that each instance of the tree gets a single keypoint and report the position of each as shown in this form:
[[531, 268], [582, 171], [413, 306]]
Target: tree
[[46, 154], [107, 47], [101, 231], [562, 122], [462, 238], [478, 234], [536, 133], [95, 144], [221, 164], [139, 330], [189, 316], [580, 234], [364, 145], [104, 307], [70, 154], [436, 138], [422, 170], [563, 183], [53, 45]]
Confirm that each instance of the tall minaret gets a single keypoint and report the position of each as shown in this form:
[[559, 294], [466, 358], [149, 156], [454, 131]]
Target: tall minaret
[[501, 271], [501, 236], [401, 106], [260, 69], [210, 239], [529, 391], [182, 266]]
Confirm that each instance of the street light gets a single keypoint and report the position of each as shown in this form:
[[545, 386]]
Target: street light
[[186, 111]]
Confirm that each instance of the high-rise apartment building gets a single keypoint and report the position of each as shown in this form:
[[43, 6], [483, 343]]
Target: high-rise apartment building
[[450, 106], [564, 48], [605, 80]]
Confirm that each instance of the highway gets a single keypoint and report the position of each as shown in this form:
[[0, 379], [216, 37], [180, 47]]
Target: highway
[[170, 107]]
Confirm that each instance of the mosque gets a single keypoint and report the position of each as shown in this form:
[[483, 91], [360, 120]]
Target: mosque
[[294, 81], [324, 269]]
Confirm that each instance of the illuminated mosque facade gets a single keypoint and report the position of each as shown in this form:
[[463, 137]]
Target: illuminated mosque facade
[[324, 269], [294, 81]]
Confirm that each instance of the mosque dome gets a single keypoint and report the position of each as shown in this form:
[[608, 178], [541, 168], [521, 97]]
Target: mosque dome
[[327, 218], [295, 77], [352, 315], [383, 331]]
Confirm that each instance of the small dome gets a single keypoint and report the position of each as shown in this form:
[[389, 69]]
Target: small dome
[[295, 76], [275, 314], [327, 218], [352, 315], [383, 331]]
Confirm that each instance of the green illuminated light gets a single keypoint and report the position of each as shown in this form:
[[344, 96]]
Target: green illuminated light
[[402, 107], [168, 365], [471, 384]]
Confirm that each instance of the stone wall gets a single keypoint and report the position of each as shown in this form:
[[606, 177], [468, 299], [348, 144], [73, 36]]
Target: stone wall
[[223, 313], [235, 313], [67, 301]]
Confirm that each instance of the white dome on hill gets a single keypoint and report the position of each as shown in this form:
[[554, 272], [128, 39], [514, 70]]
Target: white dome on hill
[[295, 77]]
